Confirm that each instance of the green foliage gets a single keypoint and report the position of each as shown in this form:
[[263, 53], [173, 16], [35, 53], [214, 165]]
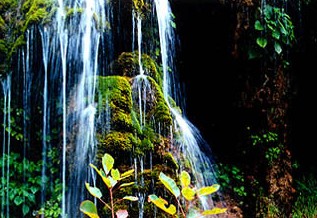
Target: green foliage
[[22, 184], [269, 141], [232, 178], [306, 202], [276, 30], [111, 178], [189, 194]]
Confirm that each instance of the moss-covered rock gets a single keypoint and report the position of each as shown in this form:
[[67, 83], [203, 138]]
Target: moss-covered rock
[[128, 64]]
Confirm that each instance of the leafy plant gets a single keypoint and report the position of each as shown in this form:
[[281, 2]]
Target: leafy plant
[[305, 203], [232, 178], [111, 178], [22, 183], [190, 195], [276, 31]]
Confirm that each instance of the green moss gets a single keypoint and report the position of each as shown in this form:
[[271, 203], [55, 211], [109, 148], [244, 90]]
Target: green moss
[[170, 160], [119, 144], [160, 110], [115, 90], [127, 64], [35, 12]]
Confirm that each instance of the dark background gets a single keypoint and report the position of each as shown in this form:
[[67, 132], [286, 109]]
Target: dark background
[[213, 85]]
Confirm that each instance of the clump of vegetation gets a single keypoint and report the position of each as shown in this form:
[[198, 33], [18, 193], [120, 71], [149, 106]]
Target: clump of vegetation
[[190, 194], [111, 178]]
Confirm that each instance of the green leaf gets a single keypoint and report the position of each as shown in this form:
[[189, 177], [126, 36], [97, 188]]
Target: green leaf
[[131, 198], [94, 191], [185, 179], [277, 47], [276, 35], [208, 190], [214, 211], [113, 182], [126, 184], [25, 209], [102, 175], [127, 174], [34, 189], [89, 208], [262, 42], [188, 193], [107, 163], [258, 25], [170, 184], [115, 174], [160, 203], [18, 200]]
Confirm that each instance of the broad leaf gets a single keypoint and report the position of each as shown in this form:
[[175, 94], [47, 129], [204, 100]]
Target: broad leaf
[[18, 200], [170, 184], [214, 211], [131, 198], [115, 174], [113, 182], [25, 209], [89, 208], [107, 163], [208, 190], [185, 179], [102, 175], [262, 42], [258, 25], [161, 203], [94, 191], [277, 47], [188, 193]]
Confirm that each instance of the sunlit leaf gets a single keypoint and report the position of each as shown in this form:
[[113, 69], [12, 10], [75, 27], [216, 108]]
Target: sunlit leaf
[[188, 193], [131, 198], [127, 174], [115, 174], [214, 211], [185, 179], [208, 190], [102, 175], [161, 203], [126, 184], [94, 191], [89, 208], [170, 184], [262, 42], [113, 182], [107, 163]]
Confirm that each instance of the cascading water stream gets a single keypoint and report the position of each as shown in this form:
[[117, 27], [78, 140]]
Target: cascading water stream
[[5, 165], [45, 47], [191, 142]]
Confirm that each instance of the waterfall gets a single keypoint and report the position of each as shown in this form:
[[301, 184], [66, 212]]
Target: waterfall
[[66, 106], [190, 143], [5, 164]]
